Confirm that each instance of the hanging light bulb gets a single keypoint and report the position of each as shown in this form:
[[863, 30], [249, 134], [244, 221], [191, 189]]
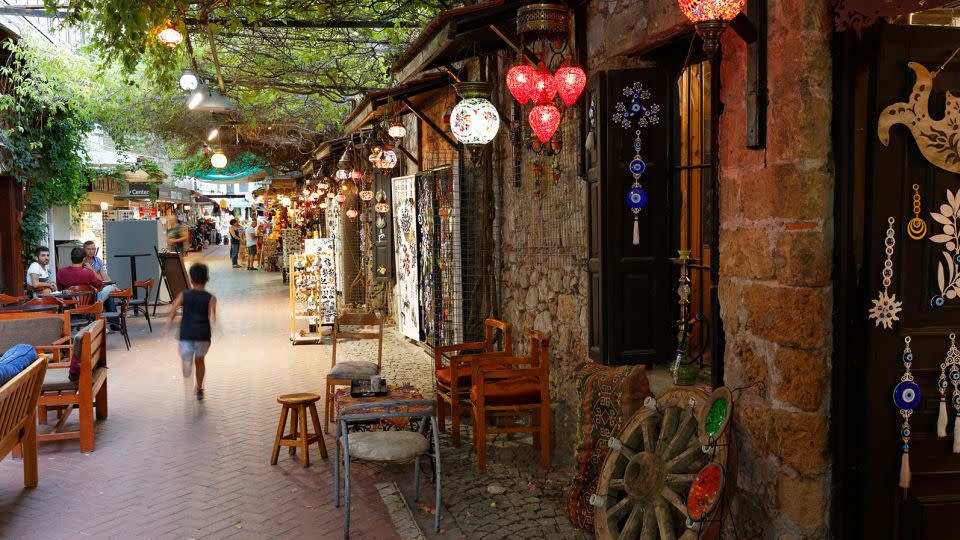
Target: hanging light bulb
[[218, 159], [710, 18], [570, 83], [345, 187], [522, 82], [352, 213], [544, 119], [189, 80], [397, 131], [474, 120], [169, 35]]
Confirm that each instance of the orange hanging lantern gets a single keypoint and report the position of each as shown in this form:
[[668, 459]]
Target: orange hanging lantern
[[522, 82], [544, 119], [546, 86], [710, 18], [366, 195], [352, 213], [571, 81], [341, 198], [169, 35]]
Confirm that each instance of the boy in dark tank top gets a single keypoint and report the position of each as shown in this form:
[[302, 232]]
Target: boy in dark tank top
[[196, 323]]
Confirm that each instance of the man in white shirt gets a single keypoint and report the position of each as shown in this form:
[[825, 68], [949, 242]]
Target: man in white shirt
[[251, 238], [37, 275]]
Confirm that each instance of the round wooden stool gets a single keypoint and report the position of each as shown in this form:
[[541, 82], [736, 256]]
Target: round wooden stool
[[299, 404]]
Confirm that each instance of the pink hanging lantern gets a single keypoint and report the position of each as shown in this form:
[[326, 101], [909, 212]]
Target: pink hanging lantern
[[571, 81], [544, 119], [341, 198], [352, 213], [546, 86], [522, 82]]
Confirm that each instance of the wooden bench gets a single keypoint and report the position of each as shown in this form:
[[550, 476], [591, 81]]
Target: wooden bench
[[88, 394], [18, 416], [49, 333]]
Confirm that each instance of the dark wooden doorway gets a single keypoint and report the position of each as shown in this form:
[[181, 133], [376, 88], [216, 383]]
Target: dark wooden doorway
[[874, 182]]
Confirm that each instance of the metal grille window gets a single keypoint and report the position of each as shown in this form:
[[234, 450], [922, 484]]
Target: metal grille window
[[695, 176]]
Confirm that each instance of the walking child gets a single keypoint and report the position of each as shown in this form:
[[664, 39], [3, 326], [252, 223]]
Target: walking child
[[199, 315]]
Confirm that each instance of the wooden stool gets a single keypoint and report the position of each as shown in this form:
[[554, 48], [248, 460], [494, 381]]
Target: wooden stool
[[299, 404]]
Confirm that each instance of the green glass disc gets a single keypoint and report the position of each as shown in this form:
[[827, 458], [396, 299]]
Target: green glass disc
[[716, 416]]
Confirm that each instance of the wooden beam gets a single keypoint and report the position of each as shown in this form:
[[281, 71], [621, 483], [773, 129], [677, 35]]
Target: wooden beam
[[426, 120], [756, 75], [299, 23], [513, 42], [409, 155]]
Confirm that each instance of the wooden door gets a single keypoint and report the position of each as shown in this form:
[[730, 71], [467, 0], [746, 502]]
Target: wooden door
[[631, 284], [869, 366]]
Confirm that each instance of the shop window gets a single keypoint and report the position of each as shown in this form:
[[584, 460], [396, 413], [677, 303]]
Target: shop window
[[229, 189]]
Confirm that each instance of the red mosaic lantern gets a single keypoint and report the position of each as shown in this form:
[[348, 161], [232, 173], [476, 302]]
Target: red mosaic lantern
[[546, 86], [570, 83], [352, 213], [710, 18], [522, 82], [341, 198], [544, 119]]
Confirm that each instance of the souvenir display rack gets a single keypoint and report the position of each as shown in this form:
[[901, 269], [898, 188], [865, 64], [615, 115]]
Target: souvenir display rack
[[313, 294], [290, 240]]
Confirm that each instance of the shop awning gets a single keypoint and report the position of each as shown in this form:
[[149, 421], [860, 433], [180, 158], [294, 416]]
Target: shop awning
[[458, 34], [246, 168], [389, 101]]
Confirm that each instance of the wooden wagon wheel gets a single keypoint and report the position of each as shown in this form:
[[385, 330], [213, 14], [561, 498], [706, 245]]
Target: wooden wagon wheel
[[651, 466]]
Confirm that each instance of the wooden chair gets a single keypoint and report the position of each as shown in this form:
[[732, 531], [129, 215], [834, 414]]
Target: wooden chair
[[49, 333], [87, 299], [143, 301], [88, 393], [122, 297], [54, 303], [344, 373], [503, 389], [18, 417], [452, 382], [84, 315], [7, 300]]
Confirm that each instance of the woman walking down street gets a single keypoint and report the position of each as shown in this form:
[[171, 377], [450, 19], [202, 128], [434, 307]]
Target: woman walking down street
[[236, 238]]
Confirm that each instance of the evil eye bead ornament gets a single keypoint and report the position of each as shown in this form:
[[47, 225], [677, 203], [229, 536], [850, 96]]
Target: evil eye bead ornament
[[907, 395], [636, 198]]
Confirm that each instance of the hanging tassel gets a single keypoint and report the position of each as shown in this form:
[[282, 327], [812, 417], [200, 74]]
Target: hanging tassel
[[942, 419], [636, 231], [956, 437], [905, 470]]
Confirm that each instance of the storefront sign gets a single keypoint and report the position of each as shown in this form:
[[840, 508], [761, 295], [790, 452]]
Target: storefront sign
[[139, 191]]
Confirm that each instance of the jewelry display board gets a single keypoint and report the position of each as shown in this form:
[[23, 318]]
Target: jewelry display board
[[313, 291], [407, 263], [450, 322], [427, 247]]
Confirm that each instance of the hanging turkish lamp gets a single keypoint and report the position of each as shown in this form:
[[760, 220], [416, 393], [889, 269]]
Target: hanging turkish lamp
[[169, 35], [710, 18], [341, 198], [396, 130], [356, 174], [388, 160], [546, 86], [522, 82], [544, 119], [345, 163], [366, 195], [474, 121], [345, 187], [571, 81], [331, 195], [352, 213]]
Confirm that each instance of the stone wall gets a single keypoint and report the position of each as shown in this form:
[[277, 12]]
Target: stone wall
[[776, 243]]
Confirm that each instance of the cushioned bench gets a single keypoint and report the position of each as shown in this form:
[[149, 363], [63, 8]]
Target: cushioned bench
[[88, 392], [48, 332]]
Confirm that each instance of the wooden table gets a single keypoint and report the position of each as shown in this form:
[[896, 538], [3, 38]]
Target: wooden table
[[20, 308], [342, 399]]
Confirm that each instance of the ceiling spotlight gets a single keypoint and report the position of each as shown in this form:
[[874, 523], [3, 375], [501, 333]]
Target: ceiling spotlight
[[213, 134], [196, 97], [207, 99], [189, 80]]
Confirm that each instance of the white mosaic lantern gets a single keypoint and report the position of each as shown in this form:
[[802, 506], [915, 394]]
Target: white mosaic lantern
[[474, 121]]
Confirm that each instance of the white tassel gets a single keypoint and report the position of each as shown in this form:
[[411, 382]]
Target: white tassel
[[956, 437], [905, 471], [636, 232], [942, 419]]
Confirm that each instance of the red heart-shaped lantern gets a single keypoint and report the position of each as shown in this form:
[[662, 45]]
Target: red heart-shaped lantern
[[570, 83], [522, 81], [546, 86], [544, 119]]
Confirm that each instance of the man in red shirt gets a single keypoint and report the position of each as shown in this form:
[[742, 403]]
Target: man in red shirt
[[76, 274]]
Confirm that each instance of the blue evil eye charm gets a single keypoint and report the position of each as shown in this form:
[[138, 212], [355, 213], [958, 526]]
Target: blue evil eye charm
[[955, 375], [636, 198], [908, 357], [905, 432], [637, 166], [907, 395], [956, 258], [937, 302]]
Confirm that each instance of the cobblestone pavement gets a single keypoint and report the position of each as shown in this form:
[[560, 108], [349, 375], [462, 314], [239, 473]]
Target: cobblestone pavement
[[167, 466]]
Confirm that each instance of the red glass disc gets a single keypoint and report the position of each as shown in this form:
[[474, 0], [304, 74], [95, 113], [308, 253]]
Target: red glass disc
[[705, 492], [522, 82], [570, 83], [544, 119]]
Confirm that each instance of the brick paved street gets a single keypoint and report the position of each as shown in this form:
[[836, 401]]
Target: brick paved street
[[167, 466]]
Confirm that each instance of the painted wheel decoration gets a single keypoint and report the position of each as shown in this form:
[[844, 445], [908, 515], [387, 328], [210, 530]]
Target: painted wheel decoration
[[658, 461]]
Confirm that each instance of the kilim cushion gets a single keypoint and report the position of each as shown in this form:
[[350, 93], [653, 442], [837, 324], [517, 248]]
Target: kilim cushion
[[354, 370], [608, 397]]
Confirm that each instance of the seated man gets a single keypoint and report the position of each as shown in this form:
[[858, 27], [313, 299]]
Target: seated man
[[37, 275], [78, 274], [93, 262]]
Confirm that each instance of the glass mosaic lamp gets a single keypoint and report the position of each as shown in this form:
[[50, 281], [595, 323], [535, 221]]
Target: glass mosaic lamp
[[474, 120]]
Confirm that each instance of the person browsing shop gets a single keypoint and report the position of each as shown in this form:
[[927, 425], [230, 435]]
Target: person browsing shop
[[37, 276], [251, 237], [236, 238], [93, 262]]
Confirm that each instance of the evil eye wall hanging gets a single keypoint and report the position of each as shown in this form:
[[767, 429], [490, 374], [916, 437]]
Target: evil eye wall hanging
[[948, 277], [906, 397], [640, 112], [950, 374], [886, 308]]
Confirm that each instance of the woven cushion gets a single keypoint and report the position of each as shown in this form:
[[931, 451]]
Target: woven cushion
[[395, 446], [15, 360], [57, 380], [353, 370], [608, 397], [523, 391]]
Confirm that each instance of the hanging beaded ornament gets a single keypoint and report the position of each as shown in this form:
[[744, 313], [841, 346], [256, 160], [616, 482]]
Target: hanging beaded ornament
[[886, 308], [642, 113], [917, 228], [950, 374], [906, 396]]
